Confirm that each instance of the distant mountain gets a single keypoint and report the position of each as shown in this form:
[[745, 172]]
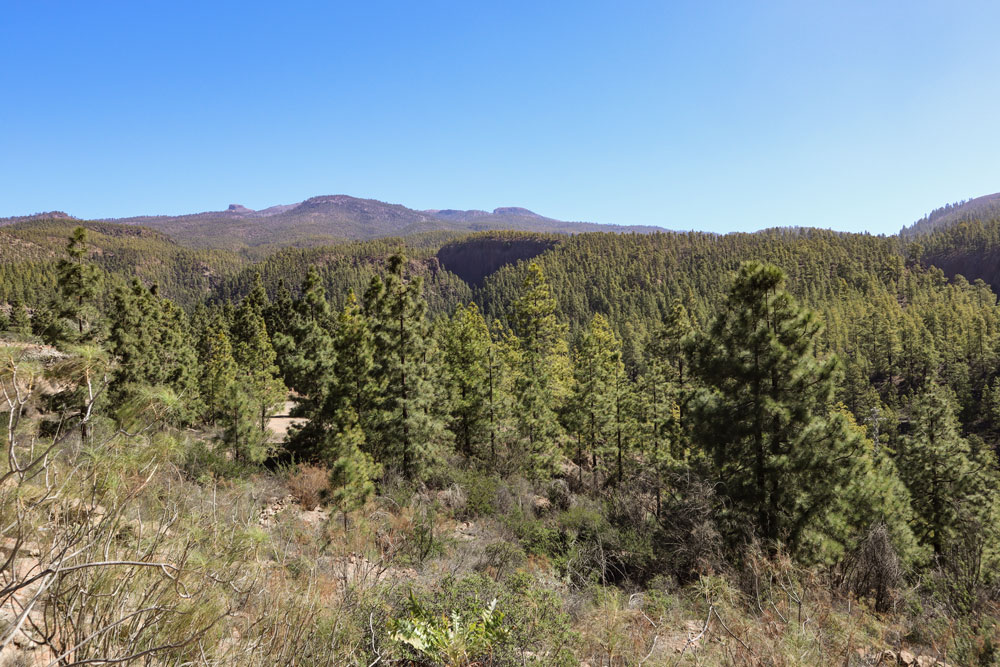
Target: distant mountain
[[981, 208], [50, 215], [332, 218]]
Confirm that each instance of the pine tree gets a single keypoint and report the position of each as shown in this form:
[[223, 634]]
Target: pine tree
[[353, 472], [407, 429], [46, 324], [218, 368], [257, 297], [665, 393], [765, 417], [305, 351], [466, 352], [278, 315], [78, 282], [349, 388], [597, 401], [19, 322], [151, 340], [242, 433], [540, 361], [177, 356], [950, 484], [255, 361], [354, 353]]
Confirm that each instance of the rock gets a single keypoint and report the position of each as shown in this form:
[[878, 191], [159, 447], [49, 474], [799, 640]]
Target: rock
[[466, 531], [316, 517], [907, 658], [926, 661]]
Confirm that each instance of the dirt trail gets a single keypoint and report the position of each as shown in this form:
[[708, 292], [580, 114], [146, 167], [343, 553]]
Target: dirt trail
[[280, 424]]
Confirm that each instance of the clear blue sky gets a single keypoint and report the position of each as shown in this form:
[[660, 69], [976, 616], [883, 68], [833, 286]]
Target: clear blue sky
[[715, 116]]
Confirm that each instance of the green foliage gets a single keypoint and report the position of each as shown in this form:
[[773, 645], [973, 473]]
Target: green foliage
[[151, 339], [765, 416], [600, 392], [538, 358], [18, 321], [407, 430], [304, 349], [78, 284], [452, 640], [469, 373], [218, 367], [655, 452], [352, 471], [952, 484], [257, 372]]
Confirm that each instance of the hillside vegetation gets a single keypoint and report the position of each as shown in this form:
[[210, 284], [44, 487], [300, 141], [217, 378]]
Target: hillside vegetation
[[502, 449]]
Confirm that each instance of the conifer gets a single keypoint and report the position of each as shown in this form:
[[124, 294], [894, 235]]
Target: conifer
[[255, 359], [353, 472], [466, 352], [18, 320], [78, 282], [540, 363], [408, 428], [951, 484], [765, 415]]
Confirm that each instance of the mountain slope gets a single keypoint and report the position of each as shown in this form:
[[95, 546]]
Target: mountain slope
[[331, 218], [980, 208]]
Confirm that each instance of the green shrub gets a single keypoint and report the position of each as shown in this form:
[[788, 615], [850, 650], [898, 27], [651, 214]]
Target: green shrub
[[480, 495], [536, 536], [452, 639]]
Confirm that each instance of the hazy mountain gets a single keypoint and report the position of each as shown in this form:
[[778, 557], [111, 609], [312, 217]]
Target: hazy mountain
[[339, 217]]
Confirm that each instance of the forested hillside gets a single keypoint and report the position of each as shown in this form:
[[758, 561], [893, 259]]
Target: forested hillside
[[620, 449], [980, 208]]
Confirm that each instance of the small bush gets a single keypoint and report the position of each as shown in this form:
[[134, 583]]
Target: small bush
[[481, 495], [500, 558], [535, 629], [873, 570], [559, 495], [309, 484], [536, 536], [453, 498], [454, 639], [204, 461]]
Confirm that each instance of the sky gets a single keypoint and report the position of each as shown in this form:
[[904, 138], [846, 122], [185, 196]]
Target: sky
[[724, 116]]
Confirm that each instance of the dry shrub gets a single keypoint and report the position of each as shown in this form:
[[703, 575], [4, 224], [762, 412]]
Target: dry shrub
[[873, 570], [559, 494], [309, 484], [690, 534], [453, 498]]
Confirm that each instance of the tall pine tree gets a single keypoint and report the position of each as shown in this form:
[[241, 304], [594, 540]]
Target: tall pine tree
[[541, 365], [466, 351], [408, 429], [78, 285], [781, 454]]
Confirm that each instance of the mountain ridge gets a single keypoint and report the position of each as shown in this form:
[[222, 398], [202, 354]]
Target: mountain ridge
[[966, 210], [331, 218]]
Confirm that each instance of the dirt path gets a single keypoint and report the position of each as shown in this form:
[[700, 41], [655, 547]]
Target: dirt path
[[280, 424]]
